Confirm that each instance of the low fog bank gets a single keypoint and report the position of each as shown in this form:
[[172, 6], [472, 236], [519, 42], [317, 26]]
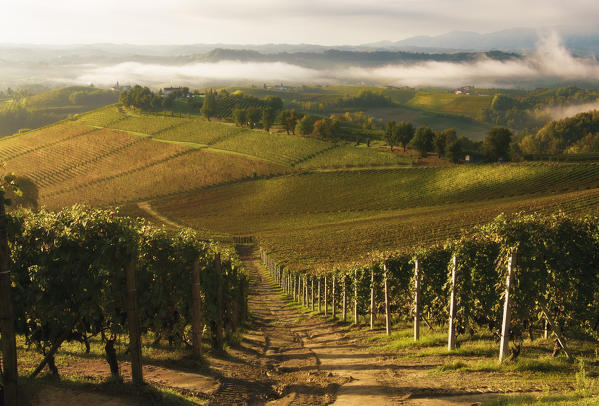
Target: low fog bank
[[558, 113], [551, 61]]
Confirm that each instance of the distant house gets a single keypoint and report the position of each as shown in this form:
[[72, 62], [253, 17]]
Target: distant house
[[399, 87], [464, 90], [119, 88]]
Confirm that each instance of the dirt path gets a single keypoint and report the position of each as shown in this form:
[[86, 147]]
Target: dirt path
[[147, 207]]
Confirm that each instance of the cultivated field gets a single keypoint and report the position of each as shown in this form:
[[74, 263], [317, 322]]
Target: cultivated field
[[339, 221]]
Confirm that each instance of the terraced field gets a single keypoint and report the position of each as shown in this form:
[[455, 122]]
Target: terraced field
[[147, 123], [278, 148], [281, 148], [18, 145], [350, 156], [73, 163], [101, 117], [199, 132]]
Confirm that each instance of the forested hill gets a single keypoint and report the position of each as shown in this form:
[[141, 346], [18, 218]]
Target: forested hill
[[342, 57], [20, 110], [577, 134]]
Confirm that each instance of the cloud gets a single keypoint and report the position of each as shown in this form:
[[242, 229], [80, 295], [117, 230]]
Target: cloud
[[551, 61], [201, 74]]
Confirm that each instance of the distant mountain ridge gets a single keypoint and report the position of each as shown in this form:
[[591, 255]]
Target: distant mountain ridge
[[512, 40]]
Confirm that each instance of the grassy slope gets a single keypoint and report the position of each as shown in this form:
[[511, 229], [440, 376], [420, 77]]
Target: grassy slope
[[330, 217]]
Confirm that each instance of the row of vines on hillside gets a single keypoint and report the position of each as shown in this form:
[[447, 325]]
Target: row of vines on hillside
[[552, 263], [70, 282]]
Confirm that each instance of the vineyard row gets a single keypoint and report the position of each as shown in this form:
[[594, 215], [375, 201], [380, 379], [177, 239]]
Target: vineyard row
[[508, 277], [83, 273]]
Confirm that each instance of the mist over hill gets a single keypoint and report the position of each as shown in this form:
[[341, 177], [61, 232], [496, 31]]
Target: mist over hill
[[513, 58]]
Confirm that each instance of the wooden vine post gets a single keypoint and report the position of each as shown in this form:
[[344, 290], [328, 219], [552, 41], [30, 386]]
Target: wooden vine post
[[333, 309], [306, 302], [312, 292], [416, 300], [7, 318], [293, 287], [344, 298], [387, 315], [326, 303], [319, 295], [452, 306], [134, 330], [219, 297], [197, 325], [505, 327], [356, 297], [372, 298]]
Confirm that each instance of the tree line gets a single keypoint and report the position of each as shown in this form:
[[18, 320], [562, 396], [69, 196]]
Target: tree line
[[446, 143]]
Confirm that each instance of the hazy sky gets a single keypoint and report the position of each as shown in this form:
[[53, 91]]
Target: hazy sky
[[329, 22]]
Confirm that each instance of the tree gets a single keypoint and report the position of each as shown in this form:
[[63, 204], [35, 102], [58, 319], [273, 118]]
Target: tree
[[404, 133], [497, 143], [288, 119], [209, 106], [274, 102], [454, 151], [305, 126], [268, 118], [253, 116], [239, 116], [390, 134], [327, 129], [423, 140], [124, 98], [442, 139]]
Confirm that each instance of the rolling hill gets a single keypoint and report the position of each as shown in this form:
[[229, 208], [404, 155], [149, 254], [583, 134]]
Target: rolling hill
[[312, 203]]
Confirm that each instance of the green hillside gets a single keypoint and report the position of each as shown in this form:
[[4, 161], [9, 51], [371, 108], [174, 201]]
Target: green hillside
[[109, 157], [312, 202], [331, 217], [47, 107], [462, 104]]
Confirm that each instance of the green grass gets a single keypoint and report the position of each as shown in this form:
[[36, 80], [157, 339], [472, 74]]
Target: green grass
[[445, 102]]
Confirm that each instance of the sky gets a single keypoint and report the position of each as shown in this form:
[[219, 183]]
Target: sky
[[326, 22]]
